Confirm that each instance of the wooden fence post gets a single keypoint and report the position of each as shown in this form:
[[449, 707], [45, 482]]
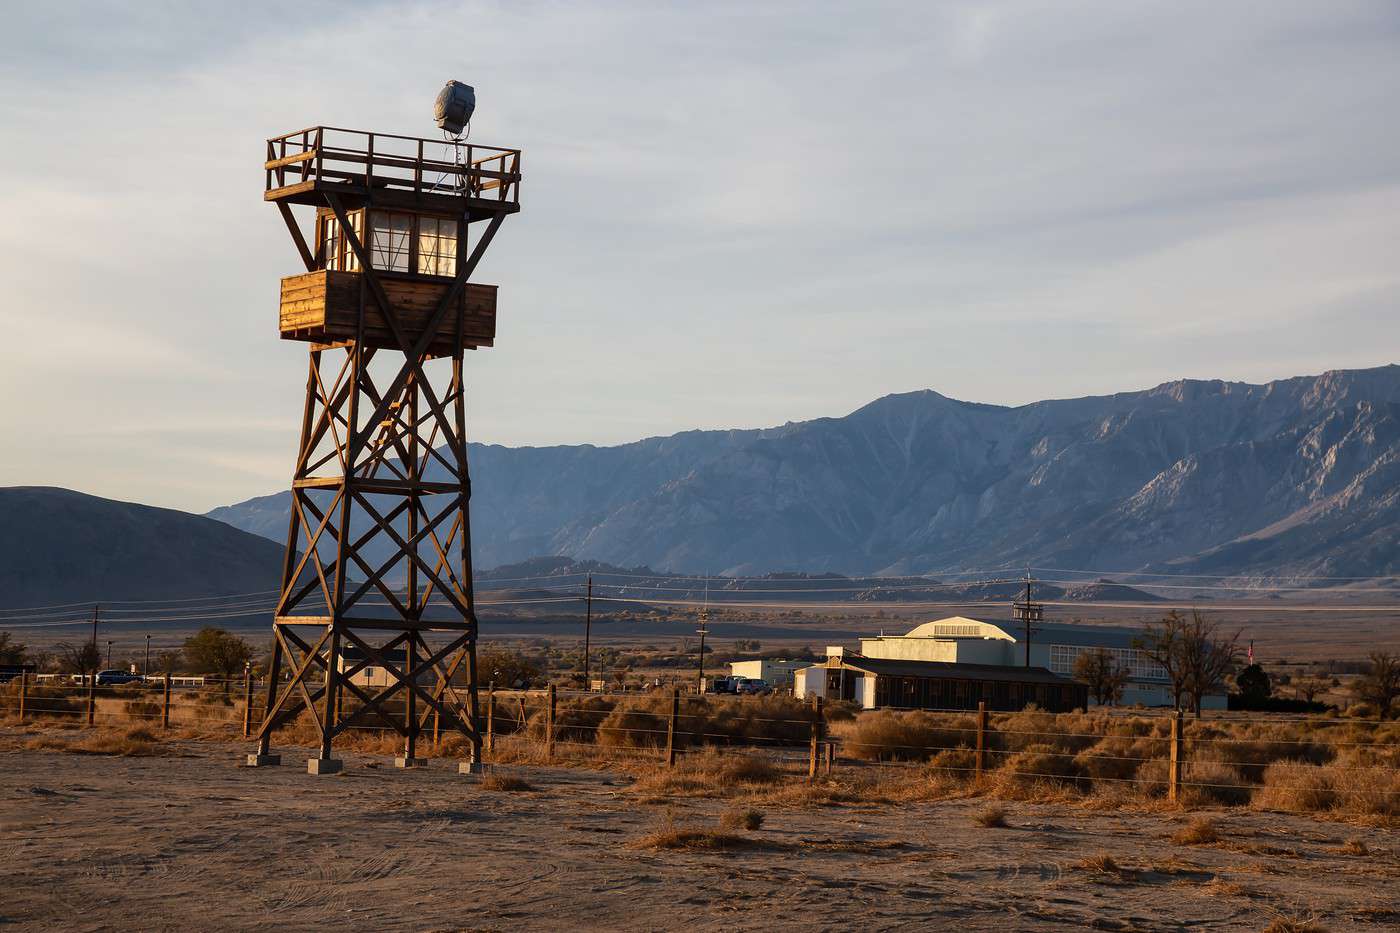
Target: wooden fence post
[[23, 692], [165, 704], [817, 723], [981, 738], [671, 727], [247, 703], [92, 699], [549, 722], [1174, 782], [830, 757], [491, 717]]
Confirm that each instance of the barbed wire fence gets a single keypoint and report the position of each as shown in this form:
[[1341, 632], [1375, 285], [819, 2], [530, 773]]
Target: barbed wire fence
[[1327, 763]]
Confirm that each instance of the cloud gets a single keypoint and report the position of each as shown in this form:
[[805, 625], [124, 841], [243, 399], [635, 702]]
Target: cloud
[[734, 214]]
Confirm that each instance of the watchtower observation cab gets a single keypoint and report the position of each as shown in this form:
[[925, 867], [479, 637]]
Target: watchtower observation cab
[[410, 204]]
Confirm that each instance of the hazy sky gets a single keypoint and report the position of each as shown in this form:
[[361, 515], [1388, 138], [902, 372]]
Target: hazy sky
[[734, 215]]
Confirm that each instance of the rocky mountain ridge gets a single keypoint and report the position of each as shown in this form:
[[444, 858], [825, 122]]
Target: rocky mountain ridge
[[1296, 476]]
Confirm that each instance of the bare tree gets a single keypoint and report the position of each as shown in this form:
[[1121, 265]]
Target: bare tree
[[82, 658], [1100, 671], [1196, 655], [1381, 684], [1310, 687], [1161, 642]]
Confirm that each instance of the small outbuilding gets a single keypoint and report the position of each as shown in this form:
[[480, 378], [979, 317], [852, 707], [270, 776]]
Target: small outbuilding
[[775, 672]]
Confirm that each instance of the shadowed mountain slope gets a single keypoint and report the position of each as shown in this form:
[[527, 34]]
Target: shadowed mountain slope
[[61, 546]]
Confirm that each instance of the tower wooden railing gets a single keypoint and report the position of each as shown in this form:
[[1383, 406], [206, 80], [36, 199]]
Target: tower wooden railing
[[355, 158]]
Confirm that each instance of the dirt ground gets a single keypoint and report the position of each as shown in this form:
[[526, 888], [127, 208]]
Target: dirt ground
[[91, 842]]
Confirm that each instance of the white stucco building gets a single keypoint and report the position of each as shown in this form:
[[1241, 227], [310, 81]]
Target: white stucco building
[[1054, 646]]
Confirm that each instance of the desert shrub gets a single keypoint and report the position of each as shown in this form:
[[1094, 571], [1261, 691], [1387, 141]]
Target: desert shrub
[[749, 819], [50, 700], [142, 708], [1206, 782], [953, 765], [1153, 776], [990, 816], [1102, 863], [1063, 732], [499, 781], [1295, 787], [1117, 758], [710, 772], [770, 719], [1370, 792], [636, 723], [1253, 756], [841, 710], [575, 720], [1039, 764], [912, 736], [1199, 832]]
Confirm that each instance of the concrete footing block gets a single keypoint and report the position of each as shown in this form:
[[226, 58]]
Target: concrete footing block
[[471, 766], [402, 762], [264, 761], [324, 765]]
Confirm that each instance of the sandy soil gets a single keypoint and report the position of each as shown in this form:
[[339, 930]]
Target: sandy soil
[[196, 842]]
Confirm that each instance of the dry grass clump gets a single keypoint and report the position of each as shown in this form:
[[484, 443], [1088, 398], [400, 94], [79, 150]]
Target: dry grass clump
[[691, 838], [737, 818], [710, 773], [990, 817], [1041, 768], [1102, 863], [499, 781], [828, 793], [1219, 887], [132, 743], [908, 736], [953, 765], [1201, 831], [1297, 788], [670, 835], [1295, 925]]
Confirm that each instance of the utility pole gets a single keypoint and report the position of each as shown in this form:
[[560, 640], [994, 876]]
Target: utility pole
[[96, 654], [109, 652], [1026, 611], [146, 668], [704, 618], [587, 633], [700, 676]]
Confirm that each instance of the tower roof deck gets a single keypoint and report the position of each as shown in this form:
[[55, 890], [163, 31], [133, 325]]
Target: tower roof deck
[[392, 171]]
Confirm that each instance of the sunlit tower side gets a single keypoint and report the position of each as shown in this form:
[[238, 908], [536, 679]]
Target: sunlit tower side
[[377, 571]]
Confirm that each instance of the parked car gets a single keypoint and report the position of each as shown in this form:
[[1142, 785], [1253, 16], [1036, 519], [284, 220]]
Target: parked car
[[752, 686], [117, 678], [722, 685]]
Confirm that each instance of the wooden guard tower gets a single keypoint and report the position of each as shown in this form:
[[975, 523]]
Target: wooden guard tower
[[377, 575]]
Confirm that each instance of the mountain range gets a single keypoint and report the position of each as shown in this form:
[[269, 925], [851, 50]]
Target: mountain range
[[1296, 476]]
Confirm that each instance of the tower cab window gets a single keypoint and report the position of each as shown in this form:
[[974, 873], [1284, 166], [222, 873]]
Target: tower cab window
[[398, 242]]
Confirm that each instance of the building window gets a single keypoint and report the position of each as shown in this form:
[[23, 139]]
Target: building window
[[437, 246], [1139, 665], [335, 249], [390, 240]]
